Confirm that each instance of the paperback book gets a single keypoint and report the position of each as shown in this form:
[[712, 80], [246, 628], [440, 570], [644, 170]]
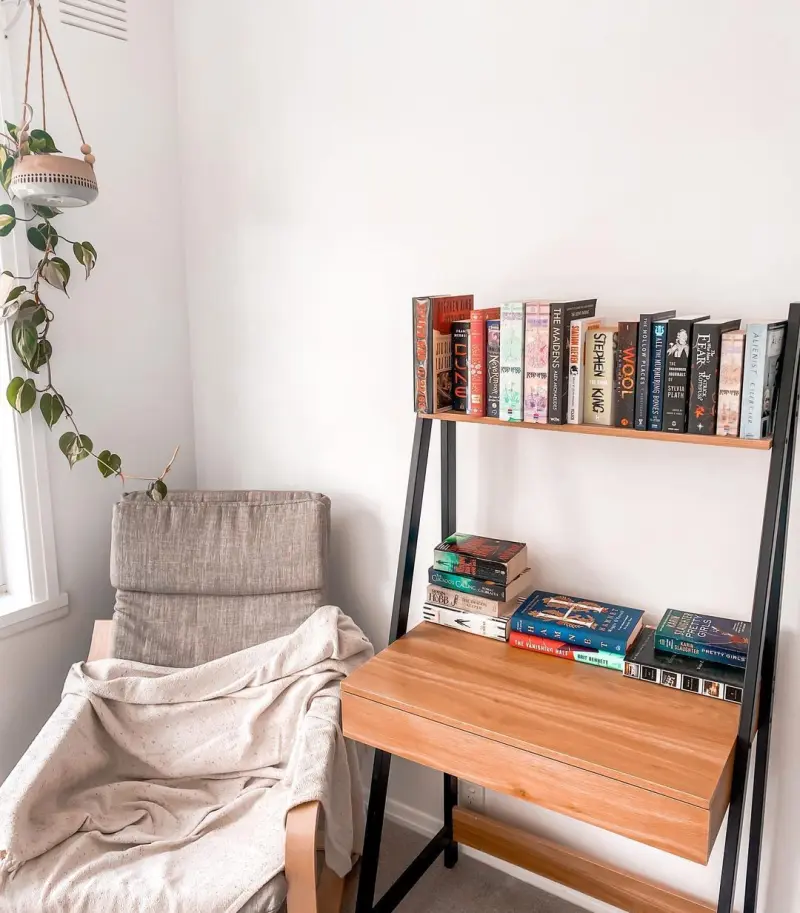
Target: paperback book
[[643, 366], [718, 640], [478, 556], [676, 384], [704, 384], [578, 621], [466, 602], [563, 650], [459, 334], [731, 369], [472, 622], [561, 317], [658, 360], [472, 585], [493, 368], [763, 356], [577, 346], [537, 335], [433, 317], [512, 352], [697, 676], [476, 388], [625, 374], [598, 406]]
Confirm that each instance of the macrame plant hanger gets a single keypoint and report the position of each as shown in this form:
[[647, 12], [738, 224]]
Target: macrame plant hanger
[[41, 177]]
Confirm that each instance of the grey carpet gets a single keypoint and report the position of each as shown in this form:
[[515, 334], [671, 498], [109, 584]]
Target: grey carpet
[[471, 887]]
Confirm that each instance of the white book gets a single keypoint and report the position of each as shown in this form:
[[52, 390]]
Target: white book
[[472, 622], [577, 344], [512, 351]]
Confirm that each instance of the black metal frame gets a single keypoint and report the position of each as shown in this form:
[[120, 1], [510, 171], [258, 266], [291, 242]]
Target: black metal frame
[[757, 698]]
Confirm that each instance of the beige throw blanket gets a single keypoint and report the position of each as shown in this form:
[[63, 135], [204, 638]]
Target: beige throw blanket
[[153, 789]]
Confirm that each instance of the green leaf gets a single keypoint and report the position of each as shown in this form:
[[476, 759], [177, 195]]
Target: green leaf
[[7, 172], [37, 238], [33, 311], [25, 341], [74, 447], [21, 394], [157, 490], [85, 254], [41, 141], [43, 352], [46, 212], [109, 463], [51, 407], [8, 219], [56, 273], [12, 130], [15, 293]]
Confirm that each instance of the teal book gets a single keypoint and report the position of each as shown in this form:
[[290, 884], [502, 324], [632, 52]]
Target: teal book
[[578, 621], [718, 640], [474, 586], [512, 351]]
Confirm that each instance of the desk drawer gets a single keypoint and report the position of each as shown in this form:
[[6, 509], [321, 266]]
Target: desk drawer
[[648, 817]]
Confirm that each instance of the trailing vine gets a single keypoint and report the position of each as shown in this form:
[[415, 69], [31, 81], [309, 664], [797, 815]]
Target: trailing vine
[[33, 318]]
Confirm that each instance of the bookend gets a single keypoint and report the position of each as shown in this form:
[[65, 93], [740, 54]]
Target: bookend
[[756, 712]]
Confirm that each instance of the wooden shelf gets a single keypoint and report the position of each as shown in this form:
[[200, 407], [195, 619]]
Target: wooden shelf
[[709, 439], [639, 759]]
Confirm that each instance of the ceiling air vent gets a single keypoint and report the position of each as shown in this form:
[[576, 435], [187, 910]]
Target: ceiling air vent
[[103, 17]]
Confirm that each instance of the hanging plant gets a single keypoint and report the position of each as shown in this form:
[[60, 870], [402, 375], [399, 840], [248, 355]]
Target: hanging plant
[[31, 171]]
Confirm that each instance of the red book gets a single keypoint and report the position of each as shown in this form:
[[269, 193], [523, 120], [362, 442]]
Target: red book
[[563, 650], [476, 389], [433, 317]]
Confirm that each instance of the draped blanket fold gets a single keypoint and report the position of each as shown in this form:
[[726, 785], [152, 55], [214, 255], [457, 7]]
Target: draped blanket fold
[[156, 789]]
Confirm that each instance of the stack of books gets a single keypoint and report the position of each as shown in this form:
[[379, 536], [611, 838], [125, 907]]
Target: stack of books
[[476, 583], [571, 627], [701, 654], [557, 363]]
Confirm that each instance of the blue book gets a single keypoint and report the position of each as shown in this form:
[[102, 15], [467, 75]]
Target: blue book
[[719, 640], [658, 364], [579, 621]]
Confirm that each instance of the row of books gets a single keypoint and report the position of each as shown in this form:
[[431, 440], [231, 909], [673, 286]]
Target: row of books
[[482, 586], [558, 363]]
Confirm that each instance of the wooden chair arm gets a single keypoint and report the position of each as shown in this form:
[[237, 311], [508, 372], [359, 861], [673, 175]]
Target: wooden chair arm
[[305, 894], [101, 641]]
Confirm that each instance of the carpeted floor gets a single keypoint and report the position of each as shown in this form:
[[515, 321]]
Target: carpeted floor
[[470, 887]]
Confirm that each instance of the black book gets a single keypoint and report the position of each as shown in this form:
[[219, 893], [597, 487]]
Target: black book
[[676, 378], [460, 342], [561, 317], [493, 368], [704, 374], [684, 673], [625, 373], [643, 367]]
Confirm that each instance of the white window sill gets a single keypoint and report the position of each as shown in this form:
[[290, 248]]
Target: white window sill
[[16, 618]]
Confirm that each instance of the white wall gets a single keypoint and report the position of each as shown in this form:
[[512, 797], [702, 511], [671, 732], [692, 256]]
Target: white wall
[[348, 155], [120, 342]]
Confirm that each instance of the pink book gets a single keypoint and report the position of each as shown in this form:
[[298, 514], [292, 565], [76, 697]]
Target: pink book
[[537, 340]]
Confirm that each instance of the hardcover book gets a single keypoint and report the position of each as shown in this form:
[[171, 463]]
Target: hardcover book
[[697, 676], [578, 621], [512, 352], [466, 602], [577, 346], [472, 622], [763, 357], [643, 366], [476, 387], [657, 369], [459, 334], [731, 368], [676, 390], [561, 317], [625, 374], [704, 373], [493, 368], [474, 587], [477, 556], [598, 406], [537, 335], [567, 651], [719, 640], [432, 318]]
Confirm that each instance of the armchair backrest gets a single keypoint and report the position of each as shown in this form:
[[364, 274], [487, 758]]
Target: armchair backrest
[[207, 573]]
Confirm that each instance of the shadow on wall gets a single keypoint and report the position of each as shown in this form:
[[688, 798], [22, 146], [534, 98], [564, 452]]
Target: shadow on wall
[[358, 565]]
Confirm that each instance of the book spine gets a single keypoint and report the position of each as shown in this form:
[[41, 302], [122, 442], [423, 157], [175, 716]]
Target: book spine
[[466, 602], [577, 336], [625, 374], [571, 636], [731, 365], [460, 343], [657, 365], [495, 571], [642, 373], [776, 337], [537, 324], [512, 343], [556, 364], [465, 584], [676, 381], [483, 625], [668, 644], [753, 382], [599, 390], [476, 389], [551, 648], [493, 368], [704, 383], [423, 370]]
